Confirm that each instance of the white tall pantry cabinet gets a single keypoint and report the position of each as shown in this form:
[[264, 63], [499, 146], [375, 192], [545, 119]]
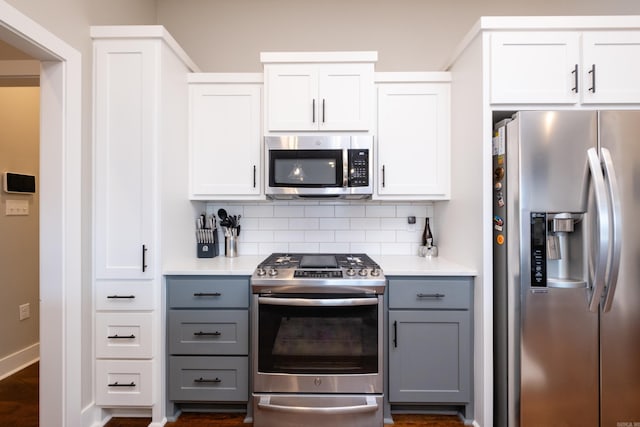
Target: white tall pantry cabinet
[[139, 124], [503, 65]]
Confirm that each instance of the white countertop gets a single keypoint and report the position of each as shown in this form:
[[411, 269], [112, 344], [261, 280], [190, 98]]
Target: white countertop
[[398, 265], [391, 265]]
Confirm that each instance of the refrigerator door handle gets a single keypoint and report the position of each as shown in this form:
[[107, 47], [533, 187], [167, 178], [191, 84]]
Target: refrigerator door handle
[[616, 228], [602, 206]]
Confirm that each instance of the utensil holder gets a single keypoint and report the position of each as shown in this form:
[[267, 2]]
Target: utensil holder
[[231, 246]]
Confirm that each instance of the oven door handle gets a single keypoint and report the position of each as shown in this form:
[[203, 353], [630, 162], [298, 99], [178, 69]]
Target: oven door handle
[[370, 406], [318, 302]]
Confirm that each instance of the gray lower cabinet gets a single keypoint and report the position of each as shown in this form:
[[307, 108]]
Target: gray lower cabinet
[[208, 339], [430, 341]]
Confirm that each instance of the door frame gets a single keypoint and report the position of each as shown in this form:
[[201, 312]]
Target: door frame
[[60, 215]]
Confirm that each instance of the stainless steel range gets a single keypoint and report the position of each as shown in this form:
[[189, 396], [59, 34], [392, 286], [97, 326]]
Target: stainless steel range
[[317, 336]]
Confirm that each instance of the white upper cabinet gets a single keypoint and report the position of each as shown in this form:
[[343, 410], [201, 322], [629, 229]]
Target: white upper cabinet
[[565, 67], [611, 71], [224, 138], [534, 67], [413, 140], [313, 96]]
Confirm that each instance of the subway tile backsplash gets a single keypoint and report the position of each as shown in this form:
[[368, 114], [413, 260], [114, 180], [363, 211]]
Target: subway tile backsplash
[[375, 228]]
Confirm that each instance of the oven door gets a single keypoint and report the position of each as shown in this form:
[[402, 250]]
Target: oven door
[[318, 343]]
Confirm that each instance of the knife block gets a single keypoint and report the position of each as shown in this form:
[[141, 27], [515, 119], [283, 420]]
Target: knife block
[[209, 250]]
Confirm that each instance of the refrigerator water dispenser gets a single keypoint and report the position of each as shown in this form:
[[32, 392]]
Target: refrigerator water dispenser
[[557, 254]]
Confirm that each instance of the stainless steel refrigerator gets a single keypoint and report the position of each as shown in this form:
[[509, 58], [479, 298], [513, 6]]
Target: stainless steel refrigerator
[[566, 195]]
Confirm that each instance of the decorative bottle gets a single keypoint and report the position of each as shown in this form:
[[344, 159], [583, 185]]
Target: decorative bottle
[[427, 237]]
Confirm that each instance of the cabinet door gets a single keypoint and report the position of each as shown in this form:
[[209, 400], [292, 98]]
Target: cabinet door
[[413, 141], [535, 67], [345, 97], [292, 97], [611, 67], [125, 209], [225, 129], [429, 356]]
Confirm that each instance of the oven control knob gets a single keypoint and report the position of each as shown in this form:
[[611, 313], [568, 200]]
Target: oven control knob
[[351, 272], [375, 272], [273, 272], [261, 271], [362, 272]]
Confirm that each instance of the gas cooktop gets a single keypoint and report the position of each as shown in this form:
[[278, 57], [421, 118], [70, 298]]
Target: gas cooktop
[[355, 272]]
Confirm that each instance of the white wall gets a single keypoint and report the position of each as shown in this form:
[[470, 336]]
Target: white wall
[[410, 35]]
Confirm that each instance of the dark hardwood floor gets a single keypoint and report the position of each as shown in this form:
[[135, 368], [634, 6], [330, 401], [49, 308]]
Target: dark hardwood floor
[[230, 420], [19, 408], [19, 398]]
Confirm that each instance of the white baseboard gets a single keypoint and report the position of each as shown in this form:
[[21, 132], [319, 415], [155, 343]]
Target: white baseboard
[[13, 363]]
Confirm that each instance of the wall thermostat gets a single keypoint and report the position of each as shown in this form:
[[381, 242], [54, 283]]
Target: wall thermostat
[[19, 183]]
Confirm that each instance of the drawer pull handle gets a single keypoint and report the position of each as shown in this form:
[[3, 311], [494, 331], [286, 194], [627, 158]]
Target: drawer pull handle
[[433, 296], [204, 334], [120, 337], [207, 294], [121, 296], [205, 380], [117, 384]]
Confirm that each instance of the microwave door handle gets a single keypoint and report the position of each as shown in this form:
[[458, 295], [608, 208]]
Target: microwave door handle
[[345, 168], [616, 227]]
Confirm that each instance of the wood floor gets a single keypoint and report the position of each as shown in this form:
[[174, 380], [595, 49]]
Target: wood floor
[[228, 420], [19, 398], [19, 408]]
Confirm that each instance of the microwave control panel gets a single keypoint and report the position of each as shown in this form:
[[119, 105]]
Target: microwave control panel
[[358, 168]]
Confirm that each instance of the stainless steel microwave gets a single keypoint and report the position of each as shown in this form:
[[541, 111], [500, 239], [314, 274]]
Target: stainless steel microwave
[[318, 166]]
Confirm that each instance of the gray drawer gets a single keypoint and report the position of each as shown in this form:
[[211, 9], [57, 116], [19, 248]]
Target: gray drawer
[[210, 378], [453, 293], [208, 291], [209, 332]]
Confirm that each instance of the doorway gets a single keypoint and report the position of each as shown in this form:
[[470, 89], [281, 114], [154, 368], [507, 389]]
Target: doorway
[[60, 215]]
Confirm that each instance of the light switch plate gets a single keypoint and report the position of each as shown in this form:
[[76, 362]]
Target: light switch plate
[[17, 207]]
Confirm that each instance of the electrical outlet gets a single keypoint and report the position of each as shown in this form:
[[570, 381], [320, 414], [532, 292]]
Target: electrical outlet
[[25, 311], [411, 223]]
